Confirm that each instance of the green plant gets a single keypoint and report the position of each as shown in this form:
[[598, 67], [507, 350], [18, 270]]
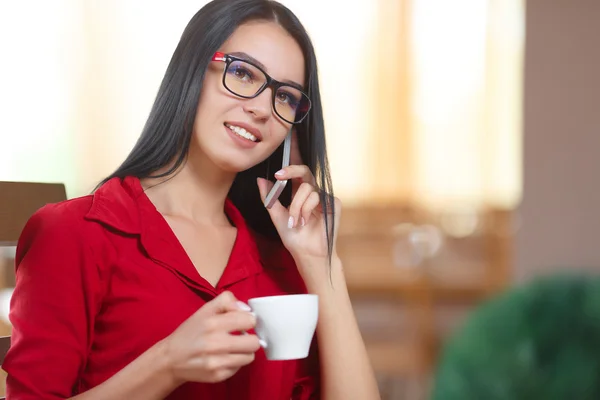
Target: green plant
[[537, 341]]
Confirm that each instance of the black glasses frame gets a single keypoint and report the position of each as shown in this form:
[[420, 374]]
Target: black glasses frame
[[270, 83]]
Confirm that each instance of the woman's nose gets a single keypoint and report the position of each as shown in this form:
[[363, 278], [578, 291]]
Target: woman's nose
[[260, 106]]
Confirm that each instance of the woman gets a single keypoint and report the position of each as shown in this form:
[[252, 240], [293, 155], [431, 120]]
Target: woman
[[138, 291]]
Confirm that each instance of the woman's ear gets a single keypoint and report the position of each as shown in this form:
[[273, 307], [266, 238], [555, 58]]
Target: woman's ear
[[295, 157]]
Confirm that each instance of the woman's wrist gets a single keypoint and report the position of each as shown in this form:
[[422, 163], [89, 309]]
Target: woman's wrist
[[164, 364], [319, 275]]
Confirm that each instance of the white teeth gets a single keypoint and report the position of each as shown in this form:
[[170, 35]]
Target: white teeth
[[243, 133]]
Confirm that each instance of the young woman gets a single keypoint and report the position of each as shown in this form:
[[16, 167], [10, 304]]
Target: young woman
[[139, 291]]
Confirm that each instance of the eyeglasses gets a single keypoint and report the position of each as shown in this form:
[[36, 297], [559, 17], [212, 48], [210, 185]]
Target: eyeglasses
[[246, 80]]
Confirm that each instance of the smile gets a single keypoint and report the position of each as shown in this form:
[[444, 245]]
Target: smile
[[242, 132]]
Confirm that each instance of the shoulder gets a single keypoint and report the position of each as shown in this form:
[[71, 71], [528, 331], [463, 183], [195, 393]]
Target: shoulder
[[64, 218], [112, 208], [57, 220], [58, 227]]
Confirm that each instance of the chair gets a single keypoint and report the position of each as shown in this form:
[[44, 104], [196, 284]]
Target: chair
[[18, 201], [4, 346]]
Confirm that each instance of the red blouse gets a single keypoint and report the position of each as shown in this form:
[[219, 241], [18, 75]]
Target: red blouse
[[102, 278]]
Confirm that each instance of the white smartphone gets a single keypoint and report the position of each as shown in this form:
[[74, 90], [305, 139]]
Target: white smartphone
[[278, 187]]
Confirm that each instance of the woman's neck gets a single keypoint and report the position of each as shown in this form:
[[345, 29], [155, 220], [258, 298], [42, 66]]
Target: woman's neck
[[196, 191]]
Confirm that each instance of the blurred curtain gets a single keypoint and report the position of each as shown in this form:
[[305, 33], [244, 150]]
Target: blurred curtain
[[447, 125], [42, 65]]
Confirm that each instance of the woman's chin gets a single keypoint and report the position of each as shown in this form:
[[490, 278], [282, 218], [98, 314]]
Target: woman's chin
[[236, 167]]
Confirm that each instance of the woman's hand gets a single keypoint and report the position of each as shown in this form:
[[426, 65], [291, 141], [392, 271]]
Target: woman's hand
[[302, 225], [345, 368], [205, 347]]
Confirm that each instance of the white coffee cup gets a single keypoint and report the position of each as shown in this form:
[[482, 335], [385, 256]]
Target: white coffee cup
[[286, 324]]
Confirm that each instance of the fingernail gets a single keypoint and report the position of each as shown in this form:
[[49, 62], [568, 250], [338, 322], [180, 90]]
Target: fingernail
[[243, 306], [280, 173], [291, 222], [302, 221], [262, 343]]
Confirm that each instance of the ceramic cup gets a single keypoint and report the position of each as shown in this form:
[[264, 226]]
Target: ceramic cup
[[286, 324]]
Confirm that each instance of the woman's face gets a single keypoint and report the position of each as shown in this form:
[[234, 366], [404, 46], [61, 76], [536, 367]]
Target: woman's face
[[221, 115]]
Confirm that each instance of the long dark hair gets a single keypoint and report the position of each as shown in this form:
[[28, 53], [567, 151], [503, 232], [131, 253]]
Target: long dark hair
[[166, 137]]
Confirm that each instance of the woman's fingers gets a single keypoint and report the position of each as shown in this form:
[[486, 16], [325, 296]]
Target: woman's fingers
[[233, 321], [312, 204], [298, 203], [227, 343], [299, 173]]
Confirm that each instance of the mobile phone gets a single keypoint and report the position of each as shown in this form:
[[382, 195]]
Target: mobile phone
[[278, 187]]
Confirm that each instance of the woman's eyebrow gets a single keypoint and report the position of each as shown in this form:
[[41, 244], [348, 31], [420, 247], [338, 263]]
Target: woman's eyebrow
[[248, 57]]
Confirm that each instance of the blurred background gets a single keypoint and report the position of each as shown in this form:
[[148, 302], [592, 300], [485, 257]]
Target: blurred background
[[463, 137]]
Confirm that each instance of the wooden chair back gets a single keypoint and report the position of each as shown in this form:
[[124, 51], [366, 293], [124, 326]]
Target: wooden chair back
[[19, 200], [4, 346]]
